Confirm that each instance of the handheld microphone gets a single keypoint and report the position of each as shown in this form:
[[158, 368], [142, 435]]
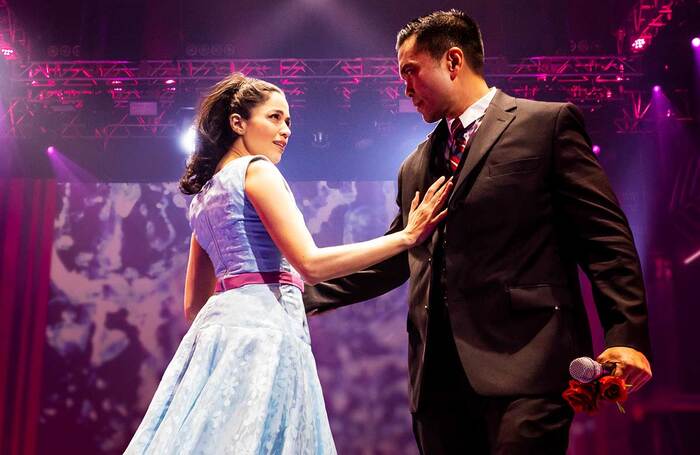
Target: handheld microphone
[[585, 369]]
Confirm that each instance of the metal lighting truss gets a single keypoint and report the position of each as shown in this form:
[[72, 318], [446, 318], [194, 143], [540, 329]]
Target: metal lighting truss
[[60, 96], [645, 20], [12, 37]]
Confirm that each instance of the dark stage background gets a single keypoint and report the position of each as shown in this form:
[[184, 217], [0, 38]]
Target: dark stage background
[[93, 236]]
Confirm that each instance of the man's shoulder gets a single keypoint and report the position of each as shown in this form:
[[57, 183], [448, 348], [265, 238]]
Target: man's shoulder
[[535, 106], [416, 154], [544, 111]]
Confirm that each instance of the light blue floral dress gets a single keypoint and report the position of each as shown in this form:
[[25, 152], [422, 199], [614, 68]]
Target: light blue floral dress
[[243, 380]]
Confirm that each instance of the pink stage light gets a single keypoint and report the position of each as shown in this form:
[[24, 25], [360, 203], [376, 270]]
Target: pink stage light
[[170, 81], [639, 44], [692, 257], [7, 51], [657, 88], [695, 42], [596, 149], [51, 150]]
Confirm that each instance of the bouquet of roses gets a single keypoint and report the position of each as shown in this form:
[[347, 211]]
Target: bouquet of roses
[[585, 396]]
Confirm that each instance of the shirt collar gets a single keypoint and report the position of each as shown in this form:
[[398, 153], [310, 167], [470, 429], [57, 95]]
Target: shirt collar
[[476, 110]]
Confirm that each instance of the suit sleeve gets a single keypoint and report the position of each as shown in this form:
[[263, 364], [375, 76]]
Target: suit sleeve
[[600, 234], [364, 285]]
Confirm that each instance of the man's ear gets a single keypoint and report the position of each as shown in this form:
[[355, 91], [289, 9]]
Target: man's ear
[[238, 124], [455, 59]]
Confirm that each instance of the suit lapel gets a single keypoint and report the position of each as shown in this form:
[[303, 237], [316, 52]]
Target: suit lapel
[[422, 174], [496, 120]]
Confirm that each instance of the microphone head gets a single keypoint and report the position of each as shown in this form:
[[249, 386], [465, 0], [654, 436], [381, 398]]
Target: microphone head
[[585, 369]]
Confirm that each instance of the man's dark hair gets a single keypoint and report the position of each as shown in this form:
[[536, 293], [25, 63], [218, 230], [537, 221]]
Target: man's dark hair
[[441, 30]]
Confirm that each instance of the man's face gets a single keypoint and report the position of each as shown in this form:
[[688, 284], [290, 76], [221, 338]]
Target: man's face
[[428, 81]]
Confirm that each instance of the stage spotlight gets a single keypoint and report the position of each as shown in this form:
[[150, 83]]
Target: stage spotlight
[[320, 140], [695, 42], [170, 81], [204, 50], [51, 150], [640, 44], [187, 140], [657, 89], [596, 149]]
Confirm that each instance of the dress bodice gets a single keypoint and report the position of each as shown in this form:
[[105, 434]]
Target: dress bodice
[[229, 229]]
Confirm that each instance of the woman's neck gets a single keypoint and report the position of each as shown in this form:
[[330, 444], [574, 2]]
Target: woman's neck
[[232, 154]]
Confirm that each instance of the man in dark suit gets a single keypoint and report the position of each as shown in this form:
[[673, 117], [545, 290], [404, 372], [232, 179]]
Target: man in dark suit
[[495, 310]]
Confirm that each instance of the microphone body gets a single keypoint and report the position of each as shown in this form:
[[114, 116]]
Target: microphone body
[[585, 369]]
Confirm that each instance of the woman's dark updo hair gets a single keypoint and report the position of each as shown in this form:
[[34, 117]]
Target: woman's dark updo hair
[[237, 94]]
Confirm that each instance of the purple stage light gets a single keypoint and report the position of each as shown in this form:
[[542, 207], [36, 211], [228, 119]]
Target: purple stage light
[[657, 88], [596, 149], [51, 150], [695, 42], [170, 81]]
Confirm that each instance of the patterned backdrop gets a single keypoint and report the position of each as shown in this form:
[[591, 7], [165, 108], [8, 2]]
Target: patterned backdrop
[[115, 317]]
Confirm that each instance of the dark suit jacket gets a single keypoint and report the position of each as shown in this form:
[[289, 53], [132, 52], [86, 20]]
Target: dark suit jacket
[[530, 203]]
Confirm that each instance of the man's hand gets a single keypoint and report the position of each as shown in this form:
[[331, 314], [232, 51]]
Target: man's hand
[[630, 364]]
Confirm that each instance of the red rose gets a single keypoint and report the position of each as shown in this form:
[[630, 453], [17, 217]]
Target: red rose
[[581, 397], [612, 388]]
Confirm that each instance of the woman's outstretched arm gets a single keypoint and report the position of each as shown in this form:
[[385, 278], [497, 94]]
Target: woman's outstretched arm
[[268, 193]]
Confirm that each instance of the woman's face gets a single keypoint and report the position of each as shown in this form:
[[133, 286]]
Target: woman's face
[[267, 130]]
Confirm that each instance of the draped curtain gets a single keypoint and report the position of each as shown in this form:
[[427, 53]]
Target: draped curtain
[[27, 211]]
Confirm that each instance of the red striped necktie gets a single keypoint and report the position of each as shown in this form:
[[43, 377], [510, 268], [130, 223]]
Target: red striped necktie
[[458, 140]]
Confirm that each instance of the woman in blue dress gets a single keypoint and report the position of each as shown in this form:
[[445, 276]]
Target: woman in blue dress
[[243, 380]]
